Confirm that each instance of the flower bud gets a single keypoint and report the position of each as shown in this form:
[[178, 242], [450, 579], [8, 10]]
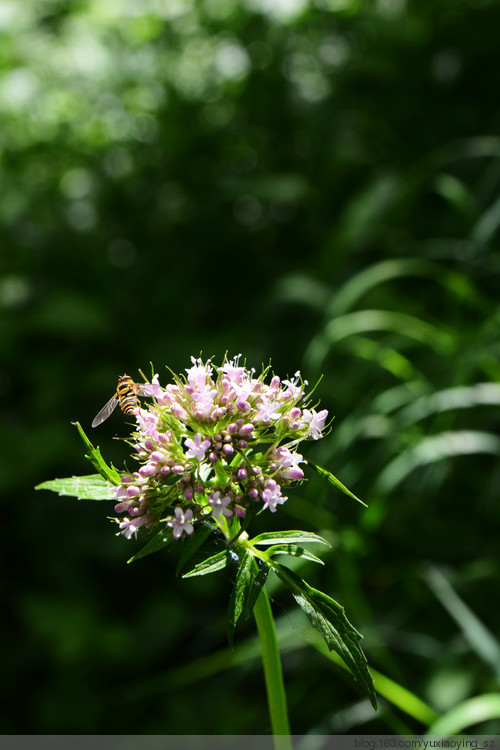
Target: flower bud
[[247, 429]]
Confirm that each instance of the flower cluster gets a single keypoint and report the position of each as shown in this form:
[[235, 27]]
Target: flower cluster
[[215, 444]]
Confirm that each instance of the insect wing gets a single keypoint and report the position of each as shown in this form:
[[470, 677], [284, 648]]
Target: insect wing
[[144, 390], [106, 411]]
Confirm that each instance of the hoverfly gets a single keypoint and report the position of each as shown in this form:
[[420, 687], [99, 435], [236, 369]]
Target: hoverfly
[[126, 395]]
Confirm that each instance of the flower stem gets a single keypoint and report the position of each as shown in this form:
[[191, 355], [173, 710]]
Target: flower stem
[[276, 696]]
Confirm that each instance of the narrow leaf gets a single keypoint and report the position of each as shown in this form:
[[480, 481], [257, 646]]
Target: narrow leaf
[[94, 455], [161, 540], [210, 565], [328, 617], [192, 545], [459, 397], [336, 482], [241, 591], [361, 283], [480, 638], [467, 714], [259, 578], [275, 537], [91, 487], [433, 448], [294, 551]]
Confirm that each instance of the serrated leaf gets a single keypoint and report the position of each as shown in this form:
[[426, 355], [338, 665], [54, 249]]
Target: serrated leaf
[[275, 537], [192, 545], [328, 617], [241, 591], [91, 487], [334, 481], [94, 455], [294, 551], [210, 565], [161, 540]]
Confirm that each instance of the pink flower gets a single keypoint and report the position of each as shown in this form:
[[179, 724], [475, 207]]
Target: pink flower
[[288, 464], [204, 401], [197, 447], [154, 388], [272, 497], [198, 374], [294, 390], [220, 433], [178, 411], [147, 422], [315, 421], [234, 373]]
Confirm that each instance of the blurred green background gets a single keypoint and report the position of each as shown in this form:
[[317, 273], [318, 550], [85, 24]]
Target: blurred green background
[[311, 181]]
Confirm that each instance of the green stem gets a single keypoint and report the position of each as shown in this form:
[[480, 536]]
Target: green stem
[[276, 696]]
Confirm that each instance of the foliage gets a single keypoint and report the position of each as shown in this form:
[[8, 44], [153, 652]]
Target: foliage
[[315, 180]]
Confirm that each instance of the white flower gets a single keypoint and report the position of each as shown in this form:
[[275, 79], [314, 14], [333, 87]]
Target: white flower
[[181, 523], [130, 526], [219, 505], [267, 411]]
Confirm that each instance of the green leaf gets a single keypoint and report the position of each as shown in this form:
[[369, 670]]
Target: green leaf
[[333, 480], [161, 540], [362, 322], [294, 551], [94, 455], [91, 487], [328, 617], [259, 578], [192, 545], [275, 537], [241, 592], [365, 280], [480, 638], [467, 714], [448, 399], [210, 565], [434, 448]]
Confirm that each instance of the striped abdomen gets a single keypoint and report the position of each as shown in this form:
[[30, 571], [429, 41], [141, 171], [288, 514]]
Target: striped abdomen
[[127, 394]]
